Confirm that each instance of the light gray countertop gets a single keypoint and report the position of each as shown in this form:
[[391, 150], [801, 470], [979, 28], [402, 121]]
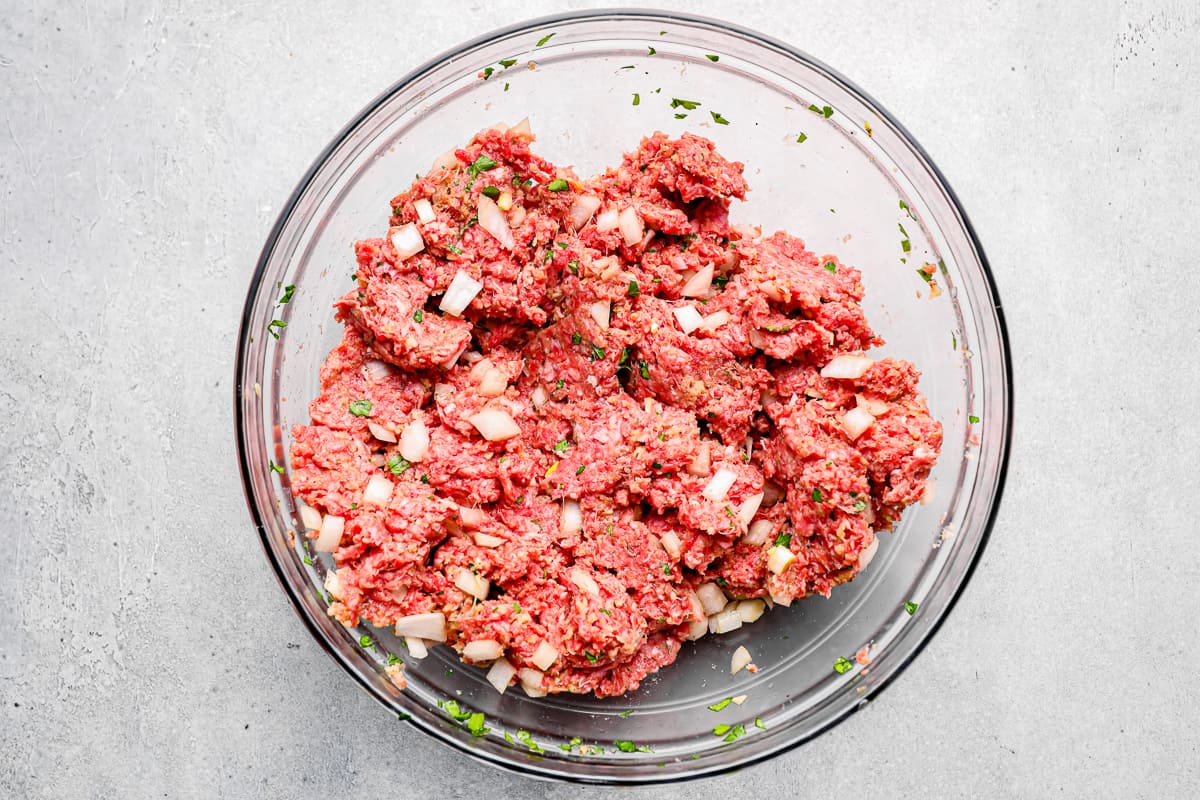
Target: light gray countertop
[[145, 646]]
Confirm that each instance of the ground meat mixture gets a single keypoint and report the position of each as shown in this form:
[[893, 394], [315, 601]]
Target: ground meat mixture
[[571, 419]]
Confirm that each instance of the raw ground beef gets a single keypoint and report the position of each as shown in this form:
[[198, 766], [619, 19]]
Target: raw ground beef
[[575, 544]]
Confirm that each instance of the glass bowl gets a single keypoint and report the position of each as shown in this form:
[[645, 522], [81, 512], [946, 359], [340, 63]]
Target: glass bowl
[[824, 162]]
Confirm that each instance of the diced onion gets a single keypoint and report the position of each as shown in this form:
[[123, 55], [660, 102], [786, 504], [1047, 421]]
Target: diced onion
[[504, 203], [487, 540], [492, 220], [493, 383], [696, 629], [430, 626], [424, 210], [739, 661], [379, 370], [310, 517], [331, 534], [544, 656], [749, 507], [483, 650], [779, 558], [398, 593], [378, 459], [760, 531], [584, 207], [501, 674], [696, 607], [719, 485], [701, 465], [751, 610], [521, 127], [846, 367], [333, 584], [607, 220], [471, 517], [930, 492], [406, 240], [782, 599], [445, 161], [414, 441], [631, 226], [416, 647], [600, 311], [876, 407], [715, 320], [737, 701], [711, 597], [531, 681], [472, 584], [379, 432], [699, 284], [538, 397], [585, 582], [494, 425], [571, 520], [725, 621], [378, 491], [856, 421], [868, 553], [459, 294], [688, 318], [670, 542], [479, 364]]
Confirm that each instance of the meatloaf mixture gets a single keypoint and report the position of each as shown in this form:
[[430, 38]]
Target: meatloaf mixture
[[573, 423]]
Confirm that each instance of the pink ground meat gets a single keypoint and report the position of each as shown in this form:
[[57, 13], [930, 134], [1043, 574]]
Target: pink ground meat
[[621, 415]]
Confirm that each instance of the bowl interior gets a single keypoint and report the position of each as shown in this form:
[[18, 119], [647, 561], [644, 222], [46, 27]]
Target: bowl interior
[[824, 163]]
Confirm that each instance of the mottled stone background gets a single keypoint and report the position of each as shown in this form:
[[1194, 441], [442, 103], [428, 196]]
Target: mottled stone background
[[145, 149]]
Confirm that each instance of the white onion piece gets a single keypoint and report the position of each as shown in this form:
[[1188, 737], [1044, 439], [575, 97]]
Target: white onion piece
[[725, 621], [450, 362], [431, 626], [492, 220], [571, 520], [699, 284], [782, 599], [471, 517], [399, 593], [331, 534], [416, 647], [751, 610], [487, 540], [711, 597], [544, 656], [378, 459], [472, 584], [381, 433], [877, 407], [531, 681], [779, 558], [407, 241], [333, 584], [310, 517], [739, 661], [378, 491], [424, 210], [719, 485], [749, 507], [856, 421], [702, 464], [532, 692], [479, 365], [379, 370], [741, 698], [585, 582], [671, 544], [697, 608], [459, 294], [494, 425], [631, 226], [483, 650], [582, 210], [868, 553], [760, 531], [501, 674], [688, 318], [538, 397], [521, 127], [493, 383], [600, 311], [930, 491], [607, 220], [696, 629], [846, 367], [715, 320], [446, 160], [414, 441]]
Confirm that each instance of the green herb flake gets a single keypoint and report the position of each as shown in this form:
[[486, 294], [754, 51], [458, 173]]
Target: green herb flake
[[419, 315], [481, 164], [817, 496], [425, 479], [644, 370], [475, 724], [860, 505], [904, 207], [545, 39], [656, 465], [490, 191], [559, 384], [758, 723], [591, 658], [597, 353], [802, 138], [561, 447], [910, 607], [953, 342], [308, 561], [690, 105], [625, 746], [972, 419], [712, 58], [783, 539], [626, 713], [397, 465], [573, 266], [717, 118], [906, 245], [274, 326], [360, 408], [506, 87], [366, 641], [576, 338], [634, 290], [507, 62], [738, 731], [393, 659], [651, 50], [288, 291], [681, 116], [831, 267], [558, 185], [842, 666], [721, 704], [582, 467], [637, 99], [275, 467], [721, 730]]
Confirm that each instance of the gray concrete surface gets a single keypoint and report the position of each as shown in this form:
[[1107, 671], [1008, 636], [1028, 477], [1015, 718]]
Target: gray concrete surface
[[145, 648]]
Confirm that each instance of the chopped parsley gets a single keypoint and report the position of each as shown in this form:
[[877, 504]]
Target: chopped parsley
[[824, 111], [637, 99], [490, 191], [953, 342], [475, 724], [545, 39], [561, 447], [308, 561], [910, 607], [360, 408], [275, 467], [666, 569], [721, 704], [842, 666], [972, 419], [644, 369], [681, 116], [366, 641], [721, 730], [487, 72], [860, 505], [597, 353], [419, 315], [452, 708], [625, 746], [656, 465], [712, 58], [720, 281], [573, 266], [777, 328], [558, 185], [738, 731], [717, 118], [576, 338], [397, 465], [817, 496], [758, 723], [507, 62], [783, 539], [904, 207], [481, 164], [288, 291], [559, 384], [591, 658], [582, 467], [623, 359], [516, 607], [651, 49], [274, 325], [690, 105], [626, 713], [393, 659], [634, 290], [802, 138], [830, 267]]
